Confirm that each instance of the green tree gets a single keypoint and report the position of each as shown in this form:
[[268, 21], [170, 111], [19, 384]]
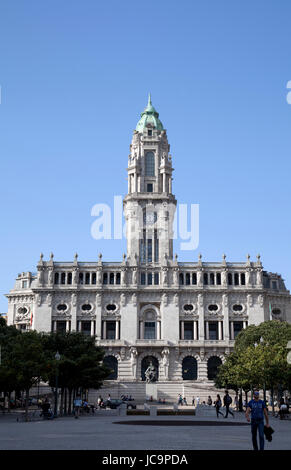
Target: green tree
[[80, 365]]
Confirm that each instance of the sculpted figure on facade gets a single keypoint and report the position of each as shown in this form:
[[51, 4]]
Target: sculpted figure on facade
[[165, 276], [134, 276], [223, 277], [50, 277], [133, 360], [123, 277], [166, 362], [250, 300], [122, 300], [151, 373]]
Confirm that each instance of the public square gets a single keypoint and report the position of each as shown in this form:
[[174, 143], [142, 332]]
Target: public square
[[100, 432]]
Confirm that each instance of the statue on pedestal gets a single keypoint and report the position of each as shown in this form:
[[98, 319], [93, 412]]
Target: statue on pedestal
[[151, 374]]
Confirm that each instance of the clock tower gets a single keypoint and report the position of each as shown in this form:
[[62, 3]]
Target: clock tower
[[149, 206]]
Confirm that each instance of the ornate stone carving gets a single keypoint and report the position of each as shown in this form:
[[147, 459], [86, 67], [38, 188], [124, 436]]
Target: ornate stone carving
[[133, 360], [166, 362], [122, 300], [98, 300], [250, 300]]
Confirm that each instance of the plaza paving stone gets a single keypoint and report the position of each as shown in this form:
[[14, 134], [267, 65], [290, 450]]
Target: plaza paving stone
[[102, 432]]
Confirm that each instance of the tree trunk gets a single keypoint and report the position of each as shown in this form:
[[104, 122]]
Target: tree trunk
[[62, 402], [70, 402], [26, 403], [65, 403]]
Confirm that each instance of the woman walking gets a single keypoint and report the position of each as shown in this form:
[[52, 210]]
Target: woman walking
[[217, 405]]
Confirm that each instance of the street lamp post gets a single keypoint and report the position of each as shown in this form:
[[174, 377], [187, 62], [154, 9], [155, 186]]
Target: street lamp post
[[57, 358]]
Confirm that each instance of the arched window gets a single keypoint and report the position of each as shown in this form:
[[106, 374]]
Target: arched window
[[189, 368], [212, 367], [112, 363], [181, 279], [63, 278], [150, 164], [56, 278]]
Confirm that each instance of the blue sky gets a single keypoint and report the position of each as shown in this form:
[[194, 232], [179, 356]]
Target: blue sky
[[75, 77]]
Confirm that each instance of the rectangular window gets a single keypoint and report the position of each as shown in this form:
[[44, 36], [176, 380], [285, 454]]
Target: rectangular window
[[274, 284], [150, 330], [218, 279], [150, 279], [156, 246], [205, 279], [188, 330], [150, 132], [86, 328], [213, 330], [150, 250], [110, 329], [61, 326], [194, 278], [24, 284], [187, 279], [93, 278], [149, 187], [142, 279], [156, 279], [237, 327]]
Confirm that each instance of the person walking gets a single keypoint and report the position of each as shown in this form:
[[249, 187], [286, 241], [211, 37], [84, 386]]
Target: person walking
[[209, 401], [77, 406], [258, 411], [236, 402], [217, 405], [227, 401], [197, 401]]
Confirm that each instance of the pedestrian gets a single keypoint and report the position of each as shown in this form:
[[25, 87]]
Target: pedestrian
[[227, 401], [184, 401], [197, 401], [99, 401], [77, 406], [258, 411], [193, 401], [236, 402], [217, 405], [180, 399], [109, 397], [209, 401]]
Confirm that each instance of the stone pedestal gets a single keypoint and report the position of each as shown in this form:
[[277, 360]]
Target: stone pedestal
[[152, 391]]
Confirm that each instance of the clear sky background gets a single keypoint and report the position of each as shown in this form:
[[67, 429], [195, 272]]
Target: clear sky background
[[75, 76]]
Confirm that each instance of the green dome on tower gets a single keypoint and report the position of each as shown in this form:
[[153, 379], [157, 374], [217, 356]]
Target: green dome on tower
[[149, 116]]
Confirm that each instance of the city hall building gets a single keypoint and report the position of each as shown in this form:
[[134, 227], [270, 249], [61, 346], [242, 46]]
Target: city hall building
[[149, 308]]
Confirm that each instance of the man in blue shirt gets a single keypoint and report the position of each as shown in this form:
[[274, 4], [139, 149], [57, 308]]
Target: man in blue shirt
[[258, 410]]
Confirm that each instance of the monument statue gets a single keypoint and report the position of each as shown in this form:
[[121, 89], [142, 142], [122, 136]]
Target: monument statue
[[151, 373]]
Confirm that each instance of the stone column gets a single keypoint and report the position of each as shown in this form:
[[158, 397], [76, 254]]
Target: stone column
[[182, 330], [98, 314], [225, 312], [207, 330], [92, 327], [220, 330], [232, 330], [117, 329], [104, 329], [195, 325], [67, 326], [201, 317], [141, 330], [158, 330]]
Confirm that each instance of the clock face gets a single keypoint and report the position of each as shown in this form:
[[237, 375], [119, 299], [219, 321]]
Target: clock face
[[151, 218]]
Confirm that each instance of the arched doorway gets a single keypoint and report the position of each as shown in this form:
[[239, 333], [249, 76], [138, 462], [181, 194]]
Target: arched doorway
[[212, 367], [189, 368], [145, 364], [112, 363]]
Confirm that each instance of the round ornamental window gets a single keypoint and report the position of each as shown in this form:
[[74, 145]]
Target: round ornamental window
[[237, 308], [86, 307], [62, 307], [276, 311], [213, 307], [111, 307], [22, 310], [188, 307]]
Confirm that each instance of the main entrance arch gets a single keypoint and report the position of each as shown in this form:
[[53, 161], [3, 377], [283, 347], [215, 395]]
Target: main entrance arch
[[145, 364], [189, 368], [212, 367], [112, 363]]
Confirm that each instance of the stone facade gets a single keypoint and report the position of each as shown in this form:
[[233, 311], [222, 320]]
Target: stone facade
[[184, 316]]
